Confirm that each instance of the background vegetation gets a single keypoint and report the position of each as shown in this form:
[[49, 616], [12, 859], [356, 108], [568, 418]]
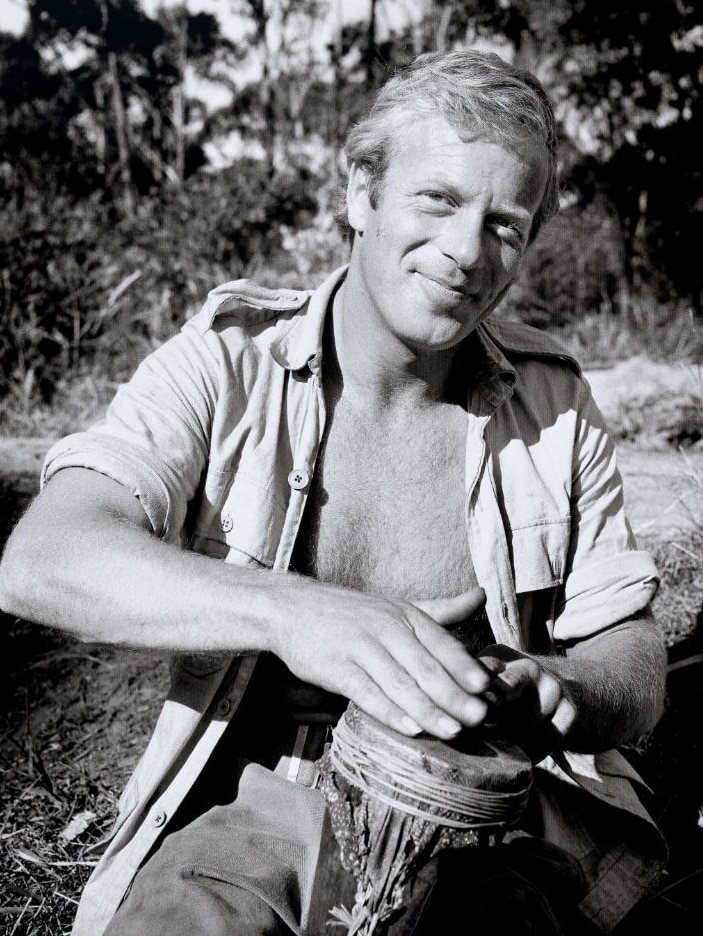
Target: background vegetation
[[145, 156]]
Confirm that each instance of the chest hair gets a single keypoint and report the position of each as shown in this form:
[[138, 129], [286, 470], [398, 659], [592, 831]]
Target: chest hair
[[386, 511]]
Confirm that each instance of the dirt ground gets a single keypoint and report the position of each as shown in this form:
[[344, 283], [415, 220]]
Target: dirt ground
[[74, 718]]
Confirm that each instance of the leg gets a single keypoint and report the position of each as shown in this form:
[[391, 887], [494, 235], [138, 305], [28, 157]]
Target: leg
[[241, 869], [525, 888], [182, 902]]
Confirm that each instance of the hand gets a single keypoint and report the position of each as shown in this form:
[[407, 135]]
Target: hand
[[392, 658], [528, 701]]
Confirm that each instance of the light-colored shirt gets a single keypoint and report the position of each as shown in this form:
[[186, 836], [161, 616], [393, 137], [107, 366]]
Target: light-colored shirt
[[217, 434]]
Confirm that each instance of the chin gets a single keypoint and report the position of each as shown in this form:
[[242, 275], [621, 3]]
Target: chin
[[439, 340]]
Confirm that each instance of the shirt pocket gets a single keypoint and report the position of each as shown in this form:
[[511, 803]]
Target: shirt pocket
[[244, 525], [539, 553]]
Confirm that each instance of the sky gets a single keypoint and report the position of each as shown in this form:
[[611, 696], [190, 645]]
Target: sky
[[13, 15]]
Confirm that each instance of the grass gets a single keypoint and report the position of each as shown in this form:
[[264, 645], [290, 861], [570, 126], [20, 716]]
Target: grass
[[71, 709]]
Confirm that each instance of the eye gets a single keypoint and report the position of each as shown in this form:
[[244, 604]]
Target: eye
[[438, 198], [509, 232]]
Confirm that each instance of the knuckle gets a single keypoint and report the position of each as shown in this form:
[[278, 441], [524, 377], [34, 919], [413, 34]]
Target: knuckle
[[428, 672]]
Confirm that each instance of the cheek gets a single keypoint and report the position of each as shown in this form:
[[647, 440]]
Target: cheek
[[511, 261]]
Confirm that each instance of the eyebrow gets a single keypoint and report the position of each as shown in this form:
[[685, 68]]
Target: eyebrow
[[513, 213]]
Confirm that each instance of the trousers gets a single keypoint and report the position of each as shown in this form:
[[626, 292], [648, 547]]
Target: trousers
[[248, 868]]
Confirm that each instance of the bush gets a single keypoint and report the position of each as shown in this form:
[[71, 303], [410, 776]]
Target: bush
[[85, 295]]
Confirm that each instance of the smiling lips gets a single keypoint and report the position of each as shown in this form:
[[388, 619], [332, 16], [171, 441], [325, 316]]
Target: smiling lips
[[459, 287]]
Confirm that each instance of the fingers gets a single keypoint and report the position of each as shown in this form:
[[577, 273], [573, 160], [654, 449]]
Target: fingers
[[565, 716], [442, 657], [470, 674], [369, 696], [534, 693], [446, 611], [418, 684]]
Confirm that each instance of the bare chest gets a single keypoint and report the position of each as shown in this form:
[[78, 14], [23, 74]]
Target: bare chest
[[386, 512]]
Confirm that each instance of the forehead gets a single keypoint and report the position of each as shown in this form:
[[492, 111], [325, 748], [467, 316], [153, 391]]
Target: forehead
[[430, 148]]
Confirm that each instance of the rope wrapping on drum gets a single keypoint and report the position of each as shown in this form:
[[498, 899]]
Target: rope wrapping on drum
[[382, 772]]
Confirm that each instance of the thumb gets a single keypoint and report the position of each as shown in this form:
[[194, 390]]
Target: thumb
[[453, 610]]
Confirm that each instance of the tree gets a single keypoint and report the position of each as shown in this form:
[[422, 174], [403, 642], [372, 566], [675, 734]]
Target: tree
[[115, 79], [638, 92]]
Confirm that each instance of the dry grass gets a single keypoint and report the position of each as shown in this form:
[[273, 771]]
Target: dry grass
[[76, 719]]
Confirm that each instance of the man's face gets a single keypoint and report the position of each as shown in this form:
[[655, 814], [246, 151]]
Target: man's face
[[448, 233]]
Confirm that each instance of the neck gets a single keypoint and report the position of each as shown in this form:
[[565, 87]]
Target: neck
[[377, 369]]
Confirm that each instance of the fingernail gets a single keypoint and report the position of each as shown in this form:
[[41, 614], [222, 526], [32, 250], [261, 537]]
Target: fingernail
[[491, 697], [448, 726], [410, 726]]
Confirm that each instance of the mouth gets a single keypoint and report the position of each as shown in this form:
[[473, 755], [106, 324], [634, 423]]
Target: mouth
[[458, 289]]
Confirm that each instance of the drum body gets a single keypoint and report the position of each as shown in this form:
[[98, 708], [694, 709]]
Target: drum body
[[394, 802]]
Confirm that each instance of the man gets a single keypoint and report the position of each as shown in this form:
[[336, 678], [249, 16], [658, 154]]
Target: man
[[404, 461]]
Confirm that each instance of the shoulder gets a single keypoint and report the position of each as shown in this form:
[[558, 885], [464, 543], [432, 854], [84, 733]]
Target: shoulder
[[520, 343], [245, 303]]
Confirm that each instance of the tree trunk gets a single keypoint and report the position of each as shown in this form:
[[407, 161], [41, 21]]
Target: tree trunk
[[179, 99], [121, 135], [370, 53], [261, 18]]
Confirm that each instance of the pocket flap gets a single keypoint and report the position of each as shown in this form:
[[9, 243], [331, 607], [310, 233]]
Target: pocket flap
[[539, 554]]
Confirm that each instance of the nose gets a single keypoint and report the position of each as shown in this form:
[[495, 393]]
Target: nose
[[462, 239]]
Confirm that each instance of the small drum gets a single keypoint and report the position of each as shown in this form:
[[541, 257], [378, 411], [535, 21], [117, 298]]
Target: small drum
[[394, 802]]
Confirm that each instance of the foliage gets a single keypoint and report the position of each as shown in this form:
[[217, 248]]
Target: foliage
[[626, 77], [88, 295], [125, 194]]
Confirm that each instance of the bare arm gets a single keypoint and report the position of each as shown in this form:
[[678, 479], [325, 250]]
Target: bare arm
[[84, 559], [606, 690]]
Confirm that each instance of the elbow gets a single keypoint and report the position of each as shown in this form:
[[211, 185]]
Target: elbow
[[27, 572], [15, 582]]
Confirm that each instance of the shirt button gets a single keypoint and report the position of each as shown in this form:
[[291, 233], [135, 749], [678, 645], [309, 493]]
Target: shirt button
[[160, 819], [299, 479], [226, 523], [223, 707]]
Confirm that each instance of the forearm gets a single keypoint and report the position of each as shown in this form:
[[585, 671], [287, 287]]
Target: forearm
[[616, 680], [84, 559], [102, 576]]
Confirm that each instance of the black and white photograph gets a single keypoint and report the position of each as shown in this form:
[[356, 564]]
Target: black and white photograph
[[351, 467]]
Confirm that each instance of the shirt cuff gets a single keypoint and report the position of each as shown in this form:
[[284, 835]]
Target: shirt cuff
[[602, 592], [124, 461]]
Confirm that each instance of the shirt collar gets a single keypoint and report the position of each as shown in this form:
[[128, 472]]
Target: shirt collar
[[492, 360], [300, 345]]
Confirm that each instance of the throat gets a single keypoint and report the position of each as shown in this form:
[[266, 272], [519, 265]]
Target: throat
[[381, 372]]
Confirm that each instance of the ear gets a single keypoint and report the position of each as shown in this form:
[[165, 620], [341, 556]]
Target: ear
[[358, 205]]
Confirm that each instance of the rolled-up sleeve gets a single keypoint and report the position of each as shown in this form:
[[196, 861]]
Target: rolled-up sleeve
[[607, 577], [154, 438]]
